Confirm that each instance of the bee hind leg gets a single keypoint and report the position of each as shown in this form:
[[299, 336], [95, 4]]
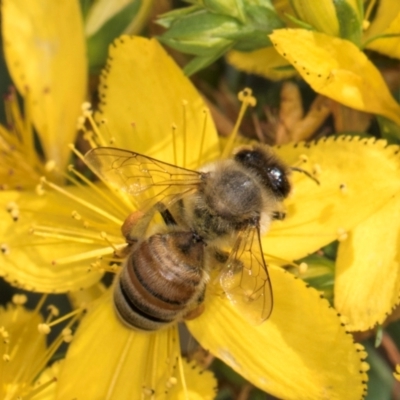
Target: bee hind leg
[[136, 224]]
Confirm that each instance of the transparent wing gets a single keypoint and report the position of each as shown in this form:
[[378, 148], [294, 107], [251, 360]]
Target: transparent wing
[[245, 279], [148, 179]]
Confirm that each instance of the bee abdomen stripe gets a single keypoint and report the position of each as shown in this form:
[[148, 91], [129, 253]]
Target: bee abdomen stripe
[[133, 316]]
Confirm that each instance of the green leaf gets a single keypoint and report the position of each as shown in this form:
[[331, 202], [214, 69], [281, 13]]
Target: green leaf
[[350, 25], [97, 44], [389, 130], [200, 34]]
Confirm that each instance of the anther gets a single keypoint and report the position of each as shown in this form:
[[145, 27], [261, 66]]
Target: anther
[[76, 215], [303, 267], [39, 190], [80, 122], [246, 96], [11, 205], [50, 166], [53, 310], [317, 169], [19, 299], [172, 381], [15, 214], [147, 391], [5, 249], [44, 329], [4, 334], [67, 335]]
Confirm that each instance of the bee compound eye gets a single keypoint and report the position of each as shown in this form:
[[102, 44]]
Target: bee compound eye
[[279, 181]]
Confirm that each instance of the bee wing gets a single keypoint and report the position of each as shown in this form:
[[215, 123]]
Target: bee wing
[[137, 174], [245, 279]]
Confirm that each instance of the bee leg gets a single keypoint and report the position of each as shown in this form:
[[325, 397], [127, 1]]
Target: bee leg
[[279, 215], [130, 224], [167, 217], [198, 309], [125, 251], [196, 312], [136, 224]]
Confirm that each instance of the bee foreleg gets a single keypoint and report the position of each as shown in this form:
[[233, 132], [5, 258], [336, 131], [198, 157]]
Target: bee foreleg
[[279, 215]]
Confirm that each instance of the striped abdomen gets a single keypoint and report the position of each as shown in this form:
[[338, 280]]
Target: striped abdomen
[[162, 280]]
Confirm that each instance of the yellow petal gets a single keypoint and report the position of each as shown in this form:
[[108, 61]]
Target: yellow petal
[[367, 283], [45, 53], [137, 365], [319, 214], [301, 352], [337, 69], [321, 15], [47, 249], [266, 62], [143, 94], [46, 383], [389, 46]]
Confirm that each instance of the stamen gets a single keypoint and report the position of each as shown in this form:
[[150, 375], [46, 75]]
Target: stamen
[[5, 249], [66, 316], [50, 166], [43, 361], [104, 236], [104, 126], [127, 200], [55, 235], [90, 206], [245, 96], [86, 256], [182, 375], [98, 137], [368, 11], [184, 104], [317, 169], [53, 312], [40, 388], [101, 193], [11, 206], [303, 267], [203, 136], [44, 329], [67, 335], [173, 127]]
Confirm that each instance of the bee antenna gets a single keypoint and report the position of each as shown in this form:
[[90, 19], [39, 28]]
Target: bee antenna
[[297, 169]]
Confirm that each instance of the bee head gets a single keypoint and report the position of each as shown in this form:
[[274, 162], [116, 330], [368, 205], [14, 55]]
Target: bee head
[[263, 163]]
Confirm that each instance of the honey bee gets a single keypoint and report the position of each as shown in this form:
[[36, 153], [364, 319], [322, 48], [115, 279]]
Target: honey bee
[[213, 220]]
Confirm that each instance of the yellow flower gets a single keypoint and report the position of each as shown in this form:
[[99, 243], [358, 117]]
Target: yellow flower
[[45, 54], [337, 69], [24, 353], [332, 62], [160, 114]]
